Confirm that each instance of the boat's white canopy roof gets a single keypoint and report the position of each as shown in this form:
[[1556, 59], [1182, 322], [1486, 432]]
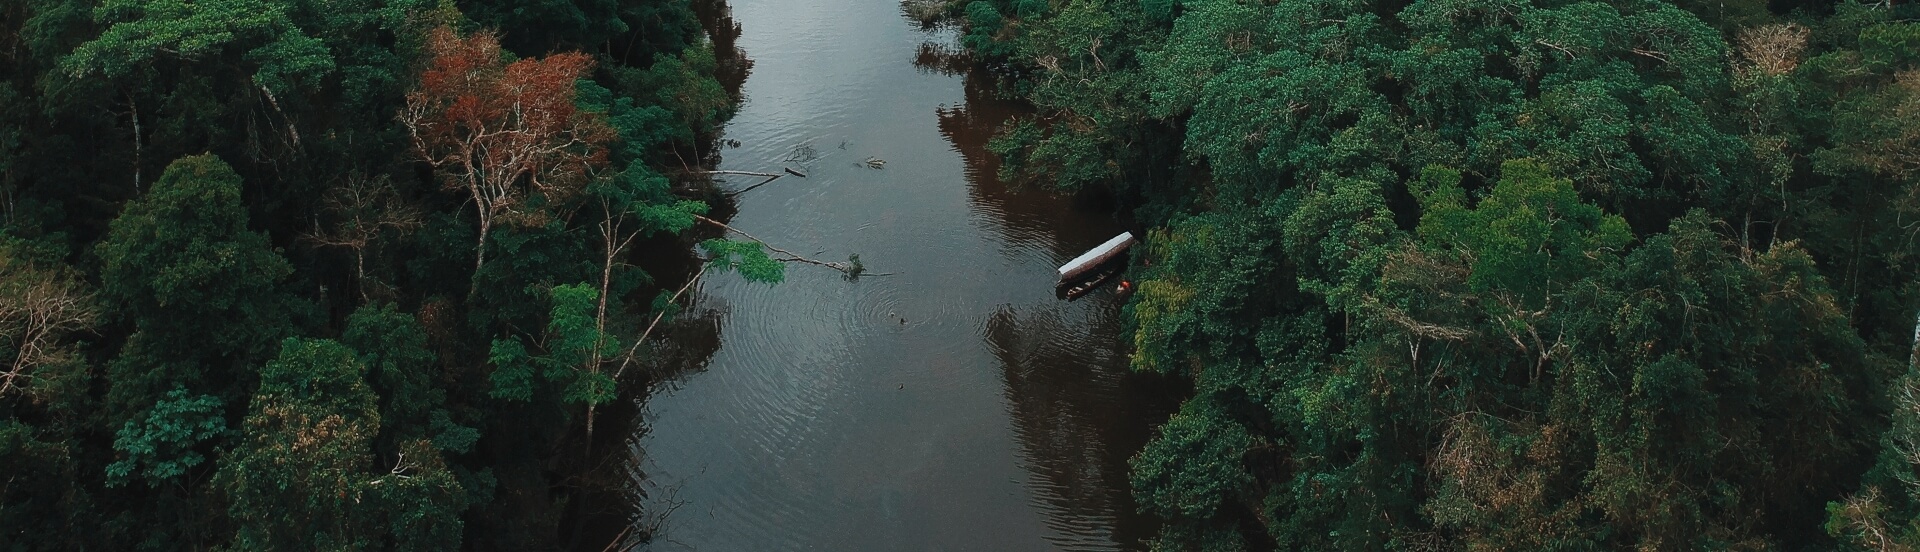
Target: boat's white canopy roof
[[1095, 254]]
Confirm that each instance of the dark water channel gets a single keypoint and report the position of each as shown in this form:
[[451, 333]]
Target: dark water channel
[[956, 405]]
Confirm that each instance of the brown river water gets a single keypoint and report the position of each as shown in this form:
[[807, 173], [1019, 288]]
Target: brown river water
[[954, 405]]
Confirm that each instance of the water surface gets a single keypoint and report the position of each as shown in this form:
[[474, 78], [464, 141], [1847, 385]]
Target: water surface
[[954, 405]]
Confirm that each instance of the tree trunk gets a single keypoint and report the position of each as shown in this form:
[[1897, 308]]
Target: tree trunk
[[135, 105], [479, 253], [1913, 355], [610, 236]]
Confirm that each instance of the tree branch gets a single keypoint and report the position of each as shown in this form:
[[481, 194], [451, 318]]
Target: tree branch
[[846, 268], [635, 348], [743, 173], [750, 188]]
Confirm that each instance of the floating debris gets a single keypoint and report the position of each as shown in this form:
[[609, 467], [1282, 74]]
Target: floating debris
[[802, 153]]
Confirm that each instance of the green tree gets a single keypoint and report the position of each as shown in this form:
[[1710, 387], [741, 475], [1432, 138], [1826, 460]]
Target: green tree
[[1514, 373], [304, 476], [138, 32], [573, 346], [231, 164], [201, 290], [170, 441], [406, 377], [1884, 515], [49, 489]]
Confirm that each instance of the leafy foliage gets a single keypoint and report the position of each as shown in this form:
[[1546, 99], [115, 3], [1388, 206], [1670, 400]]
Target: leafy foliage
[[574, 347], [163, 446], [401, 371], [140, 31], [198, 191], [1193, 471], [508, 134], [302, 472], [748, 258], [1500, 275], [200, 288]]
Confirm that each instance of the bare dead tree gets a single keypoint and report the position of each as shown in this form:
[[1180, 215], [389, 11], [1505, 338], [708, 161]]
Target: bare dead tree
[[365, 208], [38, 309], [1773, 49], [615, 236]]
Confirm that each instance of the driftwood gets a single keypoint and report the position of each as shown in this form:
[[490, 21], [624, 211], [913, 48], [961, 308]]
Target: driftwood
[[742, 173], [770, 177], [750, 188], [627, 360]]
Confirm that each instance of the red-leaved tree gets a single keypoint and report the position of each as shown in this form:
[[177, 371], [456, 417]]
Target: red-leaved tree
[[506, 133]]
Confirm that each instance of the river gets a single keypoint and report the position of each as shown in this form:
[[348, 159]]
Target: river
[[954, 405]]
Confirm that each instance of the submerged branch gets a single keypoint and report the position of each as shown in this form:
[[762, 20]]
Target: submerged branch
[[846, 268], [750, 188], [742, 173]]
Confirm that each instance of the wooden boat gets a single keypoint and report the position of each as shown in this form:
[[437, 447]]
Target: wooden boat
[[1075, 290], [1095, 257]]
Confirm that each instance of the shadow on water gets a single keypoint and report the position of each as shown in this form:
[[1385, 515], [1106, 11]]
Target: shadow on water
[[1078, 411], [607, 486], [1026, 212], [724, 32], [1079, 416]]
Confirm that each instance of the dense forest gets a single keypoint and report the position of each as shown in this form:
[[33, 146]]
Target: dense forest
[[1501, 274], [342, 275], [1441, 274]]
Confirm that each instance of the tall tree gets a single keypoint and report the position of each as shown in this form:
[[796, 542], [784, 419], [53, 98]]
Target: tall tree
[[507, 134], [203, 296], [200, 288]]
